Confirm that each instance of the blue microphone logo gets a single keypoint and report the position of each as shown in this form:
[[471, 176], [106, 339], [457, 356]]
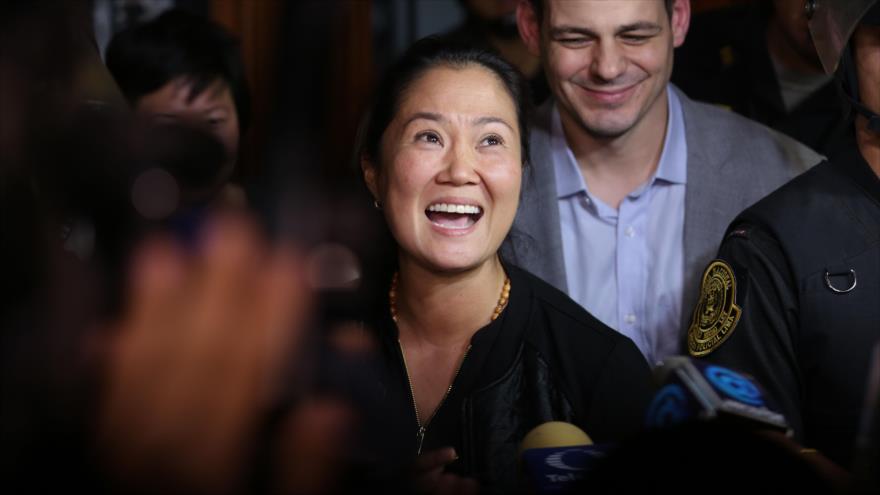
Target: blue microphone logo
[[575, 459], [669, 407], [734, 385]]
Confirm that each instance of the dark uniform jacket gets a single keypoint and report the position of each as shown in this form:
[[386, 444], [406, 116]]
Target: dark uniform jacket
[[544, 359], [803, 312]]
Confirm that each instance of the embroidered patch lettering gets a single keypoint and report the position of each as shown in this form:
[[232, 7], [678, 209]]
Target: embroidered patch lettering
[[717, 314]]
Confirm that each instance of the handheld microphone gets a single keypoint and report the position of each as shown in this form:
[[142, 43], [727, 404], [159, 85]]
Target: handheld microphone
[[697, 390], [555, 456]]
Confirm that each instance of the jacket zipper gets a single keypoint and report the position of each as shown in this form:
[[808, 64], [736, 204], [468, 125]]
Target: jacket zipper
[[420, 435]]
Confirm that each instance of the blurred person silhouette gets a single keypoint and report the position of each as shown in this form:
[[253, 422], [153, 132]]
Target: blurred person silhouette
[[44, 50], [51, 75], [476, 351], [184, 69], [491, 25], [759, 61]]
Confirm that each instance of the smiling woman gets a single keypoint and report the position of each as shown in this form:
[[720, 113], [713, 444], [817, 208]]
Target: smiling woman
[[464, 334], [451, 172]]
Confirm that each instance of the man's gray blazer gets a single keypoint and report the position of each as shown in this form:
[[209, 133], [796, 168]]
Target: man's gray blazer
[[732, 162]]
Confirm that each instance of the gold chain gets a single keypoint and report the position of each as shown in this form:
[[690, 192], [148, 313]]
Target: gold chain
[[502, 299]]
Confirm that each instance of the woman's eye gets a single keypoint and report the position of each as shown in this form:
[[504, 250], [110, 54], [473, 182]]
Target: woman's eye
[[215, 122], [428, 137], [492, 140]]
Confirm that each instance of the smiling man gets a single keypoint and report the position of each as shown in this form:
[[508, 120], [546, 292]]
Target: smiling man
[[632, 183]]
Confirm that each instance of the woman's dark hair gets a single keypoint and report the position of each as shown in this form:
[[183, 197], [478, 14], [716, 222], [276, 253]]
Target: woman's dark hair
[[427, 54], [178, 43]]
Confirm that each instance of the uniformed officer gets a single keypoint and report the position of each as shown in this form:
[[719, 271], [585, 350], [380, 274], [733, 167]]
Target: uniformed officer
[[794, 296]]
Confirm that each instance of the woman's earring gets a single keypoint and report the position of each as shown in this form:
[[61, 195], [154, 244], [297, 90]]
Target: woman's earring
[[377, 205]]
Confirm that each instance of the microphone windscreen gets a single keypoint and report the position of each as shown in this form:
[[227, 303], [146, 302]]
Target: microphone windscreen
[[554, 434], [697, 390]]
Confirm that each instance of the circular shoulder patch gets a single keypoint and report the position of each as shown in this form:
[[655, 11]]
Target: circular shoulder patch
[[717, 314]]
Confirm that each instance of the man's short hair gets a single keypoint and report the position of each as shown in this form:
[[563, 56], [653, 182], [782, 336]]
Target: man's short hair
[[538, 6], [178, 43]]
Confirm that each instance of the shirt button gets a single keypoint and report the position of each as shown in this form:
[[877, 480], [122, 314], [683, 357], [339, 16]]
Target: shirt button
[[630, 319], [629, 231]]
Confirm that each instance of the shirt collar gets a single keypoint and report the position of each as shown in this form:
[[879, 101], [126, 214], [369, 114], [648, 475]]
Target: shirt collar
[[569, 180], [673, 160]]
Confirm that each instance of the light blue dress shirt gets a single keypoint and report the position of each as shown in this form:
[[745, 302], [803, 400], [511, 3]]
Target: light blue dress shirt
[[626, 266]]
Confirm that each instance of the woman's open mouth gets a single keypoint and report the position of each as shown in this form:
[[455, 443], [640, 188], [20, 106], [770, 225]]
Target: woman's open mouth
[[454, 216]]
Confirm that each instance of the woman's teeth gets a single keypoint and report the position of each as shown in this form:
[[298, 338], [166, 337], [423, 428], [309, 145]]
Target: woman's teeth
[[453, 208], [454, 216]]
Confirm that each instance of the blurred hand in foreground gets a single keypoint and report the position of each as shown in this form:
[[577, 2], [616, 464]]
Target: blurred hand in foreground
[[197, 359]]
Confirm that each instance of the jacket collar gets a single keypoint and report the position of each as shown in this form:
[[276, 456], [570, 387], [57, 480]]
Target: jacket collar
[[854, 165]]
